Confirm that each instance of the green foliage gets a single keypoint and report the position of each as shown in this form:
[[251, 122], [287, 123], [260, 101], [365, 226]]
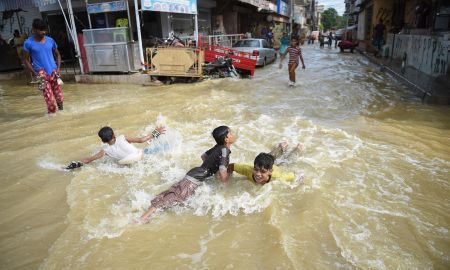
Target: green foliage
[[331, 19], [341, 22]]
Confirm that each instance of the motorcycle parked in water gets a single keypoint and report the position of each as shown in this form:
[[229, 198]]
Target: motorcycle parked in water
[[222, 67]]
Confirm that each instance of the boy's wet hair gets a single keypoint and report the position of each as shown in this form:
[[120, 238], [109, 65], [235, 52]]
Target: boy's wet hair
[[220, 133], [294, 38], [39, 24], [264, 161], [106, 134]]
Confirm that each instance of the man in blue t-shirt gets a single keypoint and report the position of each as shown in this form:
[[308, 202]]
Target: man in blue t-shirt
[[42, 49]]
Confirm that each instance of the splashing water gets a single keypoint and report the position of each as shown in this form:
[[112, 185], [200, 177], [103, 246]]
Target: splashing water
[[371, 190]]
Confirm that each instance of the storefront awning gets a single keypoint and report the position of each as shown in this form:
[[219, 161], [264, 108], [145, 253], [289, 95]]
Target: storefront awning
[[42, 3], [262, 5]]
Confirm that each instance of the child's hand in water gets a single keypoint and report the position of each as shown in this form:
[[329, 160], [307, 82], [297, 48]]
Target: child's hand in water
[[74, 165], [300, 147], [158, 131], [283, 146], [161, 129]]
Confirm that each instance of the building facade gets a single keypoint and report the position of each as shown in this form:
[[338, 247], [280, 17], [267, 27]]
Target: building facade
[[417, 32]]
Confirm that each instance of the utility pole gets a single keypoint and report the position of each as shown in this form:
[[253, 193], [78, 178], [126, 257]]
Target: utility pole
[[291, 17], [312, 8]]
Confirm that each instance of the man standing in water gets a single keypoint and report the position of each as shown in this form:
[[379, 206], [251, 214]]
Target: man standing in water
[[42, 49], [378, 38]]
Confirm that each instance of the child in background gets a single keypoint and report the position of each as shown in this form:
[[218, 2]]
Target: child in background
[[215, 160], [295, 53], [119, 148]]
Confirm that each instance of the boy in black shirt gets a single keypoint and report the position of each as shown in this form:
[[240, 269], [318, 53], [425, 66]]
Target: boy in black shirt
[[215, 160]]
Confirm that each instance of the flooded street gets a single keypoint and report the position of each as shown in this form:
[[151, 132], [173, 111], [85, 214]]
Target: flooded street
[[374, 194]]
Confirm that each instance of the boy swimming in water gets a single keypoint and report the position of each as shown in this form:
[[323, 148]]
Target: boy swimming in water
[[215, 160], [294, 54], [263, 169], [118, 148]]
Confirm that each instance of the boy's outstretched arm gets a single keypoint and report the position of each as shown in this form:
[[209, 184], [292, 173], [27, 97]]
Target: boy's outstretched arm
[[87, 160], [230, 168], [299, 149], [158, 131], [279, 149]]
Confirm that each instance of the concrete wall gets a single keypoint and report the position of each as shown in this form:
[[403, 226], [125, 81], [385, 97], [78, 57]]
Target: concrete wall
[[361, 25], [26, 19], [138, 79], [425, 53]]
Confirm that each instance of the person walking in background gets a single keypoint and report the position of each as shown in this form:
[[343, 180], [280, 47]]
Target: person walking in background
[[42, 49], [378, 37], [18, 44], [269, 37], [263, 32], [330, 39], [321, 40], [284, 43]]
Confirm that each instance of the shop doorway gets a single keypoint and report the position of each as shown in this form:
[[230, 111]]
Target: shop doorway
[[57, 29]]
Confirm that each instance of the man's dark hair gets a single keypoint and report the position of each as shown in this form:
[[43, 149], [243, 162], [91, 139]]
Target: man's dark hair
[[39, 24], [220, 133], [106, 134], [16, 31], [264, 161]]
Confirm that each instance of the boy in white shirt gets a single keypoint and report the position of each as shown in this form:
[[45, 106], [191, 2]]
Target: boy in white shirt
[[119, 148]]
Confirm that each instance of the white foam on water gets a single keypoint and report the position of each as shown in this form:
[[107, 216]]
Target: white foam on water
[[91, 105], [371, 209], [107, 228], [203, 242], [350, 238], [145, 179], [50, 165], [209, 199]]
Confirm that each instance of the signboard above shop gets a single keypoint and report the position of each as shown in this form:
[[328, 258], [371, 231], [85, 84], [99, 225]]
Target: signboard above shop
[[106, 7], [173, 6], [261, 4], [283, 8]]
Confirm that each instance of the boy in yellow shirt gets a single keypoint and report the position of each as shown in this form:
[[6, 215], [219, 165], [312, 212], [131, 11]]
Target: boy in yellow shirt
[[263, 170]]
